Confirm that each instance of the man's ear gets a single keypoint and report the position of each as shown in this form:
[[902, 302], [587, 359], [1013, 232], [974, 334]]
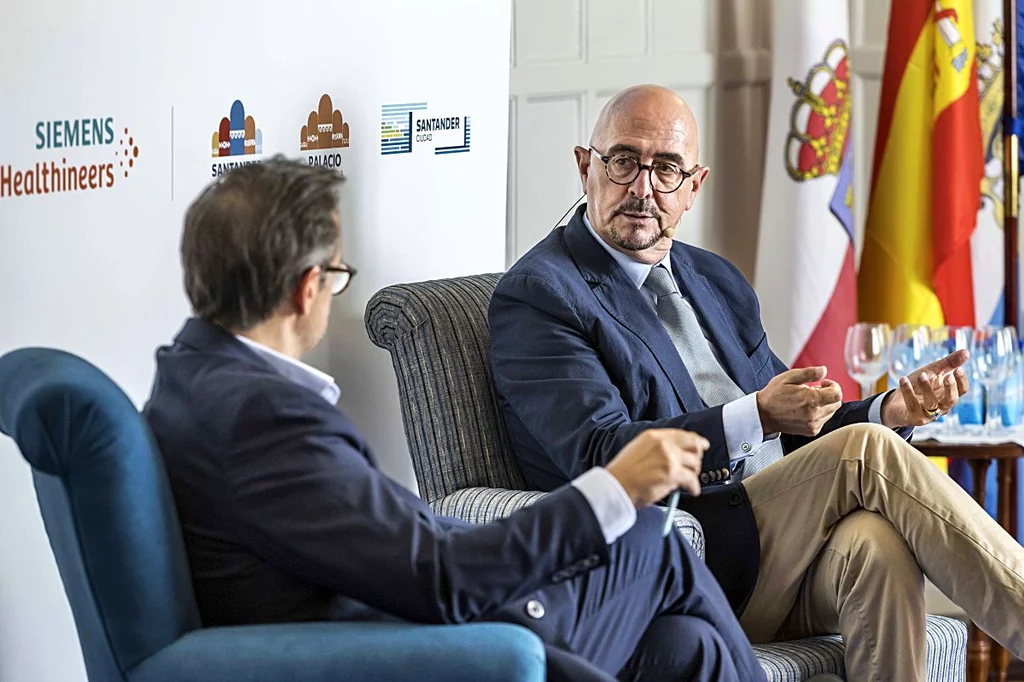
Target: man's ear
[[583, 164], [696, 181], [306, 291]]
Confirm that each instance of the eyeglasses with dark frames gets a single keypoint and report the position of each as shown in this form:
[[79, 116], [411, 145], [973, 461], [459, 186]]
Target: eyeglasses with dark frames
[[341, 277], [623, 169]]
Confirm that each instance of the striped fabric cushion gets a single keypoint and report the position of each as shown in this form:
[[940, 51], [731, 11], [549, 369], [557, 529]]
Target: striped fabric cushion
[[798, 660], [483, 505], [691, 529], [947, 650], [439, 342]]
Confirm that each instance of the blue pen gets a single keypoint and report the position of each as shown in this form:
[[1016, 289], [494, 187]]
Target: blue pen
[[673, 502]]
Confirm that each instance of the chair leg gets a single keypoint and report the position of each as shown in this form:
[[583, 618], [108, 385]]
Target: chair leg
[[1006, 468], [978, 650], [977, 655], [1000, 662]]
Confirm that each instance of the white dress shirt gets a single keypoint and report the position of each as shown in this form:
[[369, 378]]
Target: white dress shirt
[[304, 375], [741, 420], [612, 507]]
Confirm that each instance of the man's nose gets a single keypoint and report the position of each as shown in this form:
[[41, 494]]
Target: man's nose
[[641, 186]]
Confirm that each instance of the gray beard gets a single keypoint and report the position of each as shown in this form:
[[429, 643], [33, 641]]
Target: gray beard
[[636, 240]]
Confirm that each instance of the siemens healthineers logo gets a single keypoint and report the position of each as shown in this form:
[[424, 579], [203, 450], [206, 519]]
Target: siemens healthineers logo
[[409, 127], [78, 154]]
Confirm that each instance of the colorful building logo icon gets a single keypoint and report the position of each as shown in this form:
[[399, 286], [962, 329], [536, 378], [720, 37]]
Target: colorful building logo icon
[[237, 135], [325, 128]]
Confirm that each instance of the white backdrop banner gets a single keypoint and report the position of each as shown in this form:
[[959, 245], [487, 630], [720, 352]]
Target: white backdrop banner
[[115, 115]]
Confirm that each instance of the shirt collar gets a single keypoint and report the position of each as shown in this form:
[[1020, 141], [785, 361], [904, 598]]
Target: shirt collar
[[635, 270], [304, 375]]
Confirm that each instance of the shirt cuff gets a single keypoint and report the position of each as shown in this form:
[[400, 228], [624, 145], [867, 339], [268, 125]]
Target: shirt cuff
[[875, 410], [614, 510], [742, 425]]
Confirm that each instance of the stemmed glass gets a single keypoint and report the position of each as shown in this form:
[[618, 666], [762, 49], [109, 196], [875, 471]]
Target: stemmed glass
[[947, 340], [910, 350], [1006, 405], [993, 350], [867, 354]]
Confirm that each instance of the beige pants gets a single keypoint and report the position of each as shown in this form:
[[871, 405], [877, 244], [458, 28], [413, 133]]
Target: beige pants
[[849, 525]]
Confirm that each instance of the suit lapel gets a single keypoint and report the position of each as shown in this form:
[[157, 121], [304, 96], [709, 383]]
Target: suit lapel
[[713, 320], [626, 304]]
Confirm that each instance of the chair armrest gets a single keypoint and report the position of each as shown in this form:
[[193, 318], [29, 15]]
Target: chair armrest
[[354, 652], [691, 530], [483, 505]]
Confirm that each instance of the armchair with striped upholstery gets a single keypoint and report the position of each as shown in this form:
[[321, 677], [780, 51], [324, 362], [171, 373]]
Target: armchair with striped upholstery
[[439, 341]]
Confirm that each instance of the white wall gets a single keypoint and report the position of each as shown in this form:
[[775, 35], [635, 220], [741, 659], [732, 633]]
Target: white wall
[[97, 272], [569, 56]]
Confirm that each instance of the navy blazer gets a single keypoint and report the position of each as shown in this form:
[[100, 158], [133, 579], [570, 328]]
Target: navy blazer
[[286, 516], [582, 364]]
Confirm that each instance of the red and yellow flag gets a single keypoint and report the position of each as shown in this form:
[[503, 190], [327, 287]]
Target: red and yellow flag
[[928, 166]]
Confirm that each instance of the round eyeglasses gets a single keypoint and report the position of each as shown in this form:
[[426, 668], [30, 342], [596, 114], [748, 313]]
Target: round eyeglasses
[[623, 169], [341, 277]]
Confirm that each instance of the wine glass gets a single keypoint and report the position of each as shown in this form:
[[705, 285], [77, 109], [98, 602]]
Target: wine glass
[[950, 338], [867, 354], [1011, 332], [993, 348], [910, 350], [1009, 390], [946, 340]]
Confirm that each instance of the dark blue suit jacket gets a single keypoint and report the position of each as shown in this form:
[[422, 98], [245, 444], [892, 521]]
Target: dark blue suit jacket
[[286, 516], [582, 364]]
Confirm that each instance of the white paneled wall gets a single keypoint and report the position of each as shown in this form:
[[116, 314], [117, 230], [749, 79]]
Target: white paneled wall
[[569, 56]]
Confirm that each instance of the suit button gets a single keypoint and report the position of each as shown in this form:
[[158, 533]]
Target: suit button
[[725, 474], [735, 499], [704, 478], [534, 609], [745, 447]]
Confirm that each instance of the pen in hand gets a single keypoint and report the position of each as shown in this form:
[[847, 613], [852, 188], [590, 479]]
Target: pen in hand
[[673, 502], [670, 512], [659, 463]]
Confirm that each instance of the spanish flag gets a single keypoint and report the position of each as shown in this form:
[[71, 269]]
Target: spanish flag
[[928, 166]]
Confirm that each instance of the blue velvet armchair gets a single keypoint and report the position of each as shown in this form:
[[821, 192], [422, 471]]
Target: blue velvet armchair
[[111, 522]]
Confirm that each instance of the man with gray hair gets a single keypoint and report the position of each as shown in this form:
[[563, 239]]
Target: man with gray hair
[[286, 516]]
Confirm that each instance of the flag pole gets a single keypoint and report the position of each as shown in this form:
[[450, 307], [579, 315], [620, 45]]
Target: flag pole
[[1011, 174], [1011, 153]]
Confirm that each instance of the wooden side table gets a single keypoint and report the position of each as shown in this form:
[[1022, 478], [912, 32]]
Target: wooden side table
[[980, 652]]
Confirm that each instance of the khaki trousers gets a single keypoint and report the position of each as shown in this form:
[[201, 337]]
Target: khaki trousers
[[849, 526]]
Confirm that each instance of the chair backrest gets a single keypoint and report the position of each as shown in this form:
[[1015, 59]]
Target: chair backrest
[[439, 340], [106, 504]]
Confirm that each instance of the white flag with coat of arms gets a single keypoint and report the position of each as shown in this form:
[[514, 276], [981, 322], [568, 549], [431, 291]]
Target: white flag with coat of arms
[[805, 274]]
